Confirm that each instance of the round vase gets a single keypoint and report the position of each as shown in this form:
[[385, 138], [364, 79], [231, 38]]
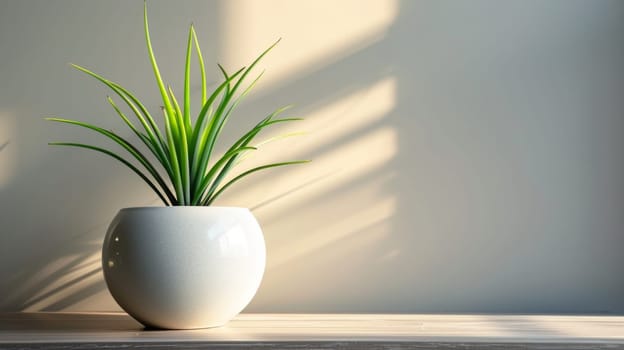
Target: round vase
[[183, 267]]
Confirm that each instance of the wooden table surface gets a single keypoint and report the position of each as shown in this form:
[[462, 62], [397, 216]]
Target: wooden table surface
[[318, 331]]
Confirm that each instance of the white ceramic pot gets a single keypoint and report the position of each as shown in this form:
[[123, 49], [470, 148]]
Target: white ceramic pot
[[183, 267]]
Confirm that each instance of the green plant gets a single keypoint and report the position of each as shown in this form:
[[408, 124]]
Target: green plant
[[186, 148]]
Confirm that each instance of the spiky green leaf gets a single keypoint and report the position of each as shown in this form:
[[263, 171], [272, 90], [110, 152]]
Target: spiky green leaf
[[120, 159], [210, 199]]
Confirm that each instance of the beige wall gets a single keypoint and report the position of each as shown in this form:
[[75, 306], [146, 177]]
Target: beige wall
[[467, 155]]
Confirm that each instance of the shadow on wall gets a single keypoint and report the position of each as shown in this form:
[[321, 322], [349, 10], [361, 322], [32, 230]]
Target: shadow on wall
[[7, 155], [6, 162], [56, 283]]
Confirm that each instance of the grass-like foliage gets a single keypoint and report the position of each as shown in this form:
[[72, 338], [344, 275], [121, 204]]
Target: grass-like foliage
[[185, 149]]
